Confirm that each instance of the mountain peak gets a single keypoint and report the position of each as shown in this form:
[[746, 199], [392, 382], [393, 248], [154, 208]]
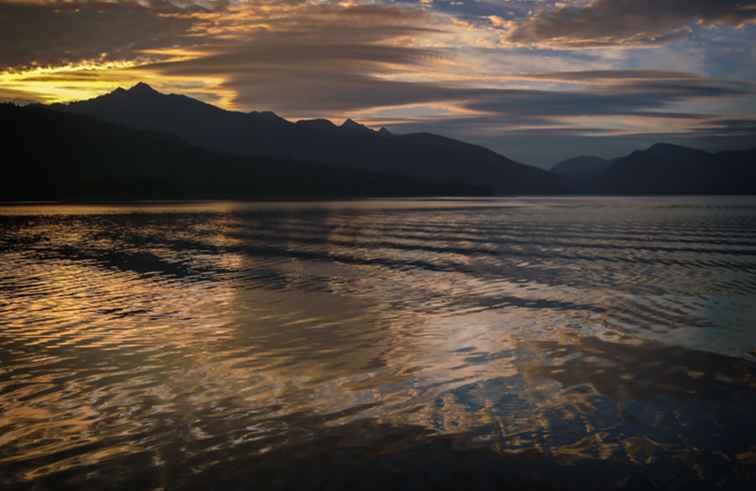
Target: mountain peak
[[351, 124], [672, 150], [664, 146], [142, 88], [269, 116], [349, 144], [384, 132], [318, 124]]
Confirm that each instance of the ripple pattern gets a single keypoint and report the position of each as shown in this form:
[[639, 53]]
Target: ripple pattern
[[150, 345]]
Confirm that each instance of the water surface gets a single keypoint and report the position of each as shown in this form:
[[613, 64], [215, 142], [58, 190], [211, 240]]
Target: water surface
[[586, 343]]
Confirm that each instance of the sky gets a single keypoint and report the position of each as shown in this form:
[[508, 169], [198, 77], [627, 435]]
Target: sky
[[536, 80]]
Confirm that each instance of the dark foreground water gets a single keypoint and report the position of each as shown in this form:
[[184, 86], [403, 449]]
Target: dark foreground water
[[579, 343]]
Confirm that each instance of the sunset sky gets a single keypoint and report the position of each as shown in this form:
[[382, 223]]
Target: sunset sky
[[538, 81]]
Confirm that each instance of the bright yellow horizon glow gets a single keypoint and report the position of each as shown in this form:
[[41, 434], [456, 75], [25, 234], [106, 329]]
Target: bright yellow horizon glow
[[69, 82], [91, 78]]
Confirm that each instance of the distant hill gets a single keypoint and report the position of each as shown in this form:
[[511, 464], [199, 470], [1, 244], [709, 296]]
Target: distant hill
[[578, 172], [581, 167], [421, 155], [662, 169], [54, 155], [673, 169]]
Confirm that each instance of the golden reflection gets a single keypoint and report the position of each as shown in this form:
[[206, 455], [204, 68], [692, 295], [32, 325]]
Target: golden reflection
[[224, 328]]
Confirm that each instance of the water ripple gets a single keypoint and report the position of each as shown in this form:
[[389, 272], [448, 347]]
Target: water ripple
[[154, 346]]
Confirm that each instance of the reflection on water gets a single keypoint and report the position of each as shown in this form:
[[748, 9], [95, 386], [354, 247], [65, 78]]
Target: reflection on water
[[601, 343]]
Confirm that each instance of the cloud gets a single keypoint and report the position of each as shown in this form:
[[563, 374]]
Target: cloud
[[312, 78], [545, 142], [410, 67], [283, 54], [605, 112], [17, 96], [622, 92], [40, 34], [626, 22], [333, 61], [321, 60]]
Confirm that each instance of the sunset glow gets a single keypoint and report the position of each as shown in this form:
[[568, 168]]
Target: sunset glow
[[518, 66], [378, 245]]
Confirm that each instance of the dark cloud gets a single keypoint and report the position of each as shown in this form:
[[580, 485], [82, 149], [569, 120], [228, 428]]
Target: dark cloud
[[305, 60], [60, 33], [329, 60], [323, 60], [603, 75], [360, 24], [313, 79], [629, 95], [325, 79], [627, 22], [733, 125], [56, 33]]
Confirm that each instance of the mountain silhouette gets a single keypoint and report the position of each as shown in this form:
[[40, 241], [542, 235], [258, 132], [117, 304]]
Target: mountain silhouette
[[147, 143], [578, 173], [62, 156], [672, 169], [351, 125], [419, 155], [582, 167], [663, 168]]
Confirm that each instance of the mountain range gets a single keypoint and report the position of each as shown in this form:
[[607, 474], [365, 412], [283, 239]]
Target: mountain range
[[53, 155], [419, 155], [662, 169], [580, 168], [140, 143]]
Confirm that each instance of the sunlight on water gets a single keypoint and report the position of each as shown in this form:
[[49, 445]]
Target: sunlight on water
[[153, 345]]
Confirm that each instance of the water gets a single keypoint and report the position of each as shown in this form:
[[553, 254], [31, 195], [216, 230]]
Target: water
[[587, 343]]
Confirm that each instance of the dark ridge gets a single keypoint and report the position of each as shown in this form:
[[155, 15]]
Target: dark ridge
[[352, 125], [663, 168], [268, 116], [420, 156], [583, 166], [62, 156], [671, 149], [142, 88], [672, 169], [317, 124]]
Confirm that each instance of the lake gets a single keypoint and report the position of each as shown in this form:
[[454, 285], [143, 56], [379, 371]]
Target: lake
[[569, 343]]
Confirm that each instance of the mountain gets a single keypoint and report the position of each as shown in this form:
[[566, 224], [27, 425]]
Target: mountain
[[663, 169], [583, 167], [53, 155], [420, 155], [672, 169], [578, 173]]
